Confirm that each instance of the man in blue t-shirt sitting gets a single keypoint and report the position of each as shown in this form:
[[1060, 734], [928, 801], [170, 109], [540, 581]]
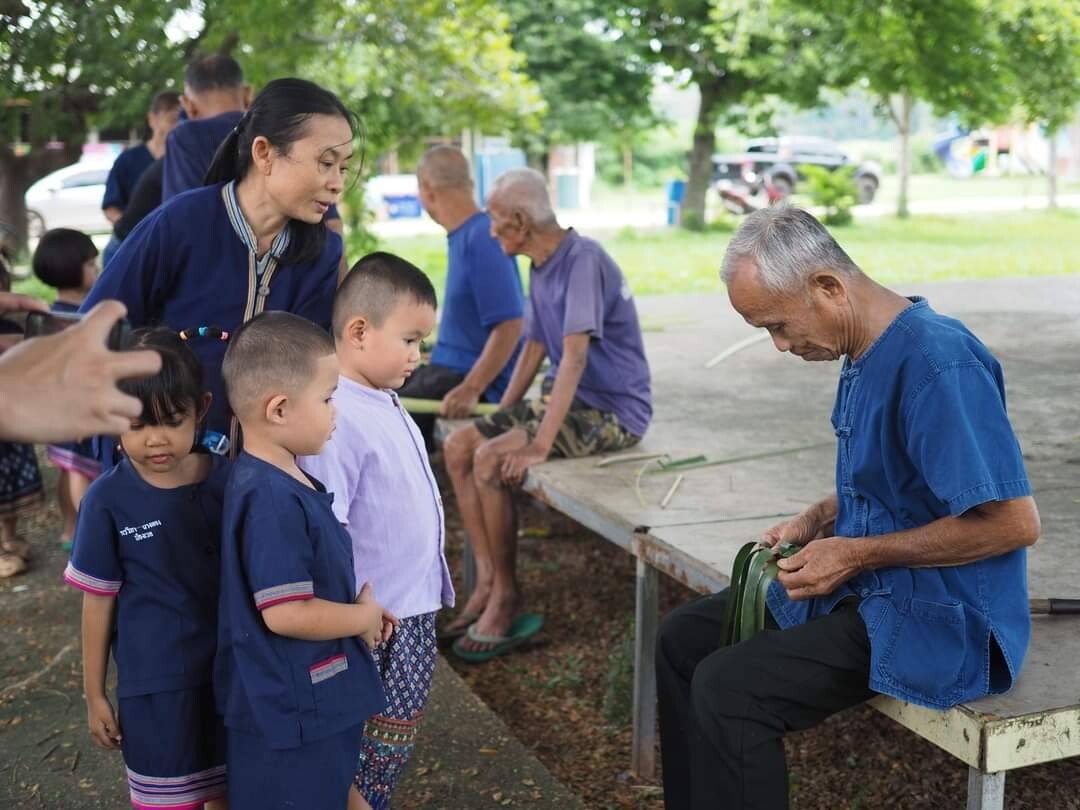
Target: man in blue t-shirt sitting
[[130, 165], [911, 580], [482, 306]]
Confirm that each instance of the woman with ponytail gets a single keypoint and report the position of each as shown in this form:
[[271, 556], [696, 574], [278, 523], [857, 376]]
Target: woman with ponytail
[[252, 239]]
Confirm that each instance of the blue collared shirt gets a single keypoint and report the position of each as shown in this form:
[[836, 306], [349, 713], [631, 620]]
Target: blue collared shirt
[[922, 434]]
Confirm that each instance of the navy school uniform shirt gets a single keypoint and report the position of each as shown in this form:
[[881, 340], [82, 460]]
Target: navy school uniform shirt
[[192, 262], [281, 542], [483, 289], [124, 174], [190, 149], [923, 434], [157, 551]]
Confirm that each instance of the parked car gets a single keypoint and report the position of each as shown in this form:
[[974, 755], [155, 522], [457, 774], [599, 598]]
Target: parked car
[[69, 198], [773, 164]]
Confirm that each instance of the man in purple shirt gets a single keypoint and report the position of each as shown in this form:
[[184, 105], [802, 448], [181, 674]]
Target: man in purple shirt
[[596, 398]]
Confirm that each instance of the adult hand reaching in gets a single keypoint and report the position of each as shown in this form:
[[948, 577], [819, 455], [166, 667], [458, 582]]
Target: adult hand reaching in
[[63, 387]]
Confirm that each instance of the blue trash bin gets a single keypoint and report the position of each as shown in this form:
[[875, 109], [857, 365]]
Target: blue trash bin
[[675, 191]]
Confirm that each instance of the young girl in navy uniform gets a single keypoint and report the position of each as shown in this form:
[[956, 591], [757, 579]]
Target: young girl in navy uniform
[[295, 679], [253, 239], [147, 557], [67, 261]]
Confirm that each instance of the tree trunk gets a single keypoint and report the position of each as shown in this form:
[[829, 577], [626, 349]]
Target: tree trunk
[[1051, 170], [13, 184], [17, 174], [903, 125], [701, 168], [627, 166]]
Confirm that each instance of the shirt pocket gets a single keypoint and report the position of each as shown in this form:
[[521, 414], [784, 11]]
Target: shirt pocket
[[331, 684], [925, 653]]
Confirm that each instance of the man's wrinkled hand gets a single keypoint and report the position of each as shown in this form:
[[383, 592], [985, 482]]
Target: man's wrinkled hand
[[819, 568], [459, 402], [799, 530]]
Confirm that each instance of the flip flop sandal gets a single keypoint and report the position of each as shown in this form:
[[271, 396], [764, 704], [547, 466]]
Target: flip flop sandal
[[19, 546], [446, 635], [524, 627], [11, 564]]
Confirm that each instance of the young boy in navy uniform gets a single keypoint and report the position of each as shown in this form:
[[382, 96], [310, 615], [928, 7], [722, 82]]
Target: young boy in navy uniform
[[293, 676]]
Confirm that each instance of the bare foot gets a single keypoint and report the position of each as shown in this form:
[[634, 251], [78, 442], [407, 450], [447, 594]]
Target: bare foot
[[471, 612], [17, 545], [496, 620], [10, 565]]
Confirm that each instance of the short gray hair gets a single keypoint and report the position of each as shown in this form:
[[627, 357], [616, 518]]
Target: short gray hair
[[786, 245], [444, 167], [525, 190]]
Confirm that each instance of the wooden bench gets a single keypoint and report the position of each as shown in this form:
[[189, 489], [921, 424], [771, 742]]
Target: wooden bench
[[760, 402]]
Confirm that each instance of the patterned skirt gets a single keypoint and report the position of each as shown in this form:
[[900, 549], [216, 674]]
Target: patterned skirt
[[20, 479], [407, 666]]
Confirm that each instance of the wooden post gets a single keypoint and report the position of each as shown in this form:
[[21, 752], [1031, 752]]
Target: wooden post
[[986, 791], [643, 755]]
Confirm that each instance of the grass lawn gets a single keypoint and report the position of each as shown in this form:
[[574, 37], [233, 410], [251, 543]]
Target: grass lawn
[[924, 248], [928, 248]]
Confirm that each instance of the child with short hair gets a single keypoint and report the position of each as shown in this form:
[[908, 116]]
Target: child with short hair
[[67, 261], [146, 556], [376, 467], [293, 676]]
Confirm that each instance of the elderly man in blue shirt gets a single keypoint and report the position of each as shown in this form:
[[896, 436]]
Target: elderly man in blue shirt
[[912, 577]]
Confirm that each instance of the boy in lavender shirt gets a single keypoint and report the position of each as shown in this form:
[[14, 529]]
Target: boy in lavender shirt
[[376, 467], [595, 399]]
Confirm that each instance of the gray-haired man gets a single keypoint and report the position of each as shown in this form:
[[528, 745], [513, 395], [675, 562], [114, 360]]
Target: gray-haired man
[[911, 581]]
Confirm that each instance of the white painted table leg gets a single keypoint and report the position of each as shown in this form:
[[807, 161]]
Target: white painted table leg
[[986, 791]]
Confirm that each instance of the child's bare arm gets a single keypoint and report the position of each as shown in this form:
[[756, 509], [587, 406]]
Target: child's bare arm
[[322, 620], [97, 621]]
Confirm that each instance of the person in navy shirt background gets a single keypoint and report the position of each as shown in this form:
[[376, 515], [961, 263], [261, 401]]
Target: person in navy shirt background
[[483, 304], [911, 580], [253, 239], [132, 163], [67, 260], [147, 557], [295, 679]]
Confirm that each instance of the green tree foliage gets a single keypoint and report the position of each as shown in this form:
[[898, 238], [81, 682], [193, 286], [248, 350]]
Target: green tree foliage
[[593, 78], [736, 52], [63, 64], [411, 68], [944, 52], [1042, 41]]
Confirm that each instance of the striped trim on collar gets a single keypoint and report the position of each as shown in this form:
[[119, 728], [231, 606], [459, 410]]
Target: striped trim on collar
[[246, 235]]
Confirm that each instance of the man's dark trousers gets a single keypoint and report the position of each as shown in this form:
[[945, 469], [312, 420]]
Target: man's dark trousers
[[724, 710]]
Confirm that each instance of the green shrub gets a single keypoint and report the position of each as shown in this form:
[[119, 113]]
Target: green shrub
[[834, 191], [618, 702]]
